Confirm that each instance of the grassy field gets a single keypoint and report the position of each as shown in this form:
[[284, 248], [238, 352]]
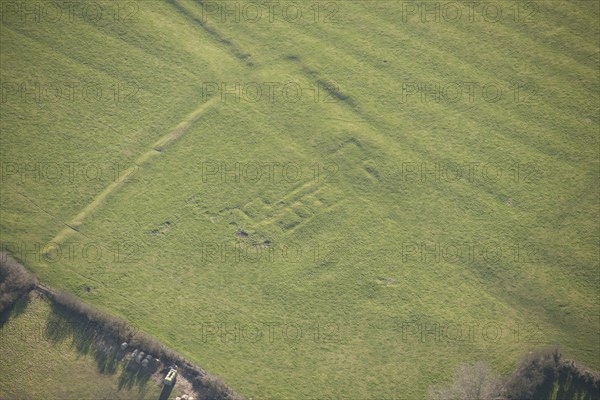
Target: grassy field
[[43, 348], [203, 232]]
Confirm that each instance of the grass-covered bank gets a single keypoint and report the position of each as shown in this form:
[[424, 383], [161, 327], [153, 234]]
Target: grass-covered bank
[[359, 238]]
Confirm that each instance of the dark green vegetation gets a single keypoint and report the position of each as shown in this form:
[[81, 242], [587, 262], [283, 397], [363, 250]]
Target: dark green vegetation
[[380, 314], [548, 376], [541, 375]]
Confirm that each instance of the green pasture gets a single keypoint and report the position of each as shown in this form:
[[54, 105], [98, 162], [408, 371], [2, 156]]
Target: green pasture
[[232, 226]]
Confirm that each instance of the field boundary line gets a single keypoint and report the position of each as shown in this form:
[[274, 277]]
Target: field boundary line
[[160, 145]]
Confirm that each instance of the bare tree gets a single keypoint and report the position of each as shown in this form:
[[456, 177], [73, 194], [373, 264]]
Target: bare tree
[[471, 382], [14, 280]]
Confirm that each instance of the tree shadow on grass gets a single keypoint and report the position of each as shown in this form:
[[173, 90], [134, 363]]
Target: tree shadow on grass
[[62, 325], [15, 309], [87, 340], [106, 360], [134, 375]]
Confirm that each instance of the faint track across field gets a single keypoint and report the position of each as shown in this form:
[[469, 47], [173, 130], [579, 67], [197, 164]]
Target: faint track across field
[[159, 146]]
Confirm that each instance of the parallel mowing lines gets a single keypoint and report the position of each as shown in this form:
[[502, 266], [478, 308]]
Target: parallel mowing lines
[[444, 54], [157, 148], [508, 116]]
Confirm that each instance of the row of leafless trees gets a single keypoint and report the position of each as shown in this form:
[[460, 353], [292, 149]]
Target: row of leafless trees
[[211, 387], [534, 379], [15, 281]]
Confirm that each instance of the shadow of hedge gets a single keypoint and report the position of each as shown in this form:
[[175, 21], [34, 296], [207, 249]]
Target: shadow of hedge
[[88, 339]]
